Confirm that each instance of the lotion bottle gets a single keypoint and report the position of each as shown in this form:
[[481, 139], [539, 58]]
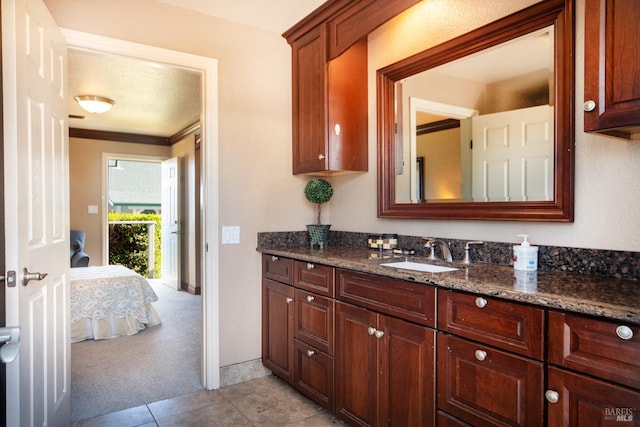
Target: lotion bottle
[[525, 256]]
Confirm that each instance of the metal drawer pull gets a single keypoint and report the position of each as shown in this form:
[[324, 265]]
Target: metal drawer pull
[[379, 334], [481, 355], [274, 258], [310, 266], [310, 298], [289, 300], [552, 396], [371, 330], [310, 353], [624, 332], [481, 302]]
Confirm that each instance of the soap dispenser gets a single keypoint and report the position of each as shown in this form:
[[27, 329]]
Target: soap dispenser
[[525, 256]]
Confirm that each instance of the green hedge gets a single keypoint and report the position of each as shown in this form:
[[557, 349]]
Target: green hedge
[[128, 243]]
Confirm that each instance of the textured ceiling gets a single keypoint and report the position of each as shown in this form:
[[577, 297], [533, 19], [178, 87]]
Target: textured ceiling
[[159, 100]]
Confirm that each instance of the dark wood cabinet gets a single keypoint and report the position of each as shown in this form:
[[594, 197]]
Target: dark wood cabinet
[[578, 400], [314, 374], [484, 386], [277, 268], [514, 327], [314, 320], [329, 84], [612, 67], [277, 328], [313, 277], [595, 379], [605, 349], [330, 113], [384, 369]]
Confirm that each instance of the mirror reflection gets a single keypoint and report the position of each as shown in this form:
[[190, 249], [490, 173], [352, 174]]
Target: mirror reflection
[[480, 128]]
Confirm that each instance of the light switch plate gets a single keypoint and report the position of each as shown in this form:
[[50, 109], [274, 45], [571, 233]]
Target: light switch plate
[[230, 235], [92, 209]]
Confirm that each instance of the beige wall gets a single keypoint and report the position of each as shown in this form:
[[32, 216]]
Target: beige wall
[[85, 185], [257, 190]]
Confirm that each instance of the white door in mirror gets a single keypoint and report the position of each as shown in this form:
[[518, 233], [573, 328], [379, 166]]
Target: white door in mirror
[[418, 266]]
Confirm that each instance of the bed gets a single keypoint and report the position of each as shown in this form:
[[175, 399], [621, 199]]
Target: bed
[[110, 301]]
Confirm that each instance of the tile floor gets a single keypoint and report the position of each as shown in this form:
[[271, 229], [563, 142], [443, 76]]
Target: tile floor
[[266, 401]]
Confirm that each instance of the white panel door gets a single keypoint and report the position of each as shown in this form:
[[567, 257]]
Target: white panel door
[[36, 209], [513, 155], [171, 223]]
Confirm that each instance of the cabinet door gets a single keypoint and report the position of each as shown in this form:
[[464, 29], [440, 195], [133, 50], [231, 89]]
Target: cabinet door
[[314, 374], [612, 65], [583, 401], [309, 90], [277, 328], [356, 365], [484, 386], [406, 386], [314, 320]]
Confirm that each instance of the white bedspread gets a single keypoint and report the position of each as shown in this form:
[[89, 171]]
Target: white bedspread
[[110, 301]]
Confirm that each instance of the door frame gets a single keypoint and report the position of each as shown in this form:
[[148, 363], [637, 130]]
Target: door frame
[[208, 67]]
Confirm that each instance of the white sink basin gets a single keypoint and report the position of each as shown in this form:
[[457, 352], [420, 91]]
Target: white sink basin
[[418, 266]]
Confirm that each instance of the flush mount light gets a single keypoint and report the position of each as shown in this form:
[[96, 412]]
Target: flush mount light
[[94, 103]]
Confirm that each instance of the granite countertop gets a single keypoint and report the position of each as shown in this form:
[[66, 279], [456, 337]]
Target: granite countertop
[[605, 297]]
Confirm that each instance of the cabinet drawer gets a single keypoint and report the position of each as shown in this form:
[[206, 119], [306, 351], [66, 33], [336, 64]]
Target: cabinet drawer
[[484, 386], [513, 327], [408, 301], [584, 401], [314, 278], [593, 346], [314, 320], [277, 268], [314, 375]]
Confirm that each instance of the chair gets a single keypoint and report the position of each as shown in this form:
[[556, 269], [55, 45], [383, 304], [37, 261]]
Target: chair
[[78, 257]]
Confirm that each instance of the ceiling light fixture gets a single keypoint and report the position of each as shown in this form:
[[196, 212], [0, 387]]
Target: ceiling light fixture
[[94, 103]]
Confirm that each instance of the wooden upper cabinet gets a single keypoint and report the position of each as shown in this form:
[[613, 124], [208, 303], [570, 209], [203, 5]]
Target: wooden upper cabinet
[[329, 84], [329, 107], [612, 67]]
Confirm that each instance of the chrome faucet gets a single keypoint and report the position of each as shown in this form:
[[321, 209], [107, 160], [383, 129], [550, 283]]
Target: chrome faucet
[[467, 251], [432, 243]]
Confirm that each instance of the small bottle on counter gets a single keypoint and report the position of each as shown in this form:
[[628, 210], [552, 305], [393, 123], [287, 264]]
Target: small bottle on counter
[[525, 256]]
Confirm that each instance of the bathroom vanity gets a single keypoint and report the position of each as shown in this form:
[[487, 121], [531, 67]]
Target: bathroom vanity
[[379, 345]]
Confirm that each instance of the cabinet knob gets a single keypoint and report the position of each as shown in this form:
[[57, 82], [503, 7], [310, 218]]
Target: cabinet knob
[[274, 258], [589, 105], [379, 334], [552, 396], [310, 266], [320, 156], [481, 355], [289, 300], [624, 332], [310, 298], [310, 353], [481, 302], [371, 330]]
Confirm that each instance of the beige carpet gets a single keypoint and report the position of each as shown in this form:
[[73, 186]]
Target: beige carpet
[[158, 363]]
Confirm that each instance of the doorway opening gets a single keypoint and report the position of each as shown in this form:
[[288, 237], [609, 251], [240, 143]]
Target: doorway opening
[[207, 202]]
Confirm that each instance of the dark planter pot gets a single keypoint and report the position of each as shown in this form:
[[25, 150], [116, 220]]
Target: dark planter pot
[[318, 235]]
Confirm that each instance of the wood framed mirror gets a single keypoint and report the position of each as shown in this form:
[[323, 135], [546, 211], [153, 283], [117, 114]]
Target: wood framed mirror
[[533, 185]]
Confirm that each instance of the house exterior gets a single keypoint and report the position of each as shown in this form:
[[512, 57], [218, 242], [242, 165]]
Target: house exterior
[[256, 189]]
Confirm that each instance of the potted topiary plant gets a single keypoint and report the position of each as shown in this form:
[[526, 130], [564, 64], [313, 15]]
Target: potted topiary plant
[[318, 191]]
